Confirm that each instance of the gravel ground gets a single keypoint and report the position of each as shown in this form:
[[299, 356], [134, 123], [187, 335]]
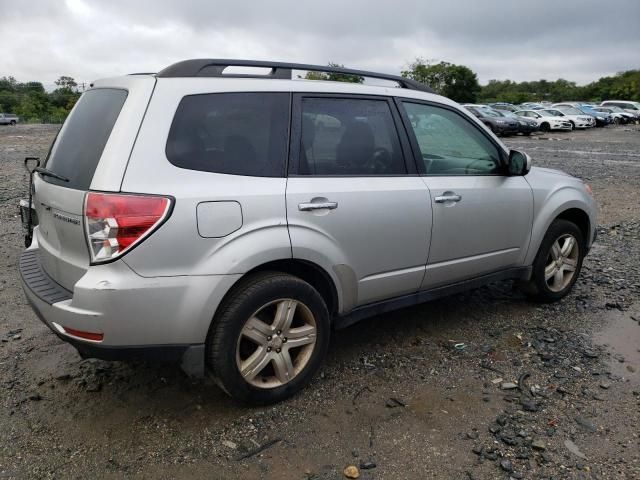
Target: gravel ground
[[483, 385]]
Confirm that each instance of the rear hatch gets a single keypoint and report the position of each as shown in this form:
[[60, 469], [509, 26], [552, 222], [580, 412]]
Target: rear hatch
[[91, 152]]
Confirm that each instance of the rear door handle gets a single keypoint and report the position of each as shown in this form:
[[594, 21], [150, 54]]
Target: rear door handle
[[305, 207], [448, 197]]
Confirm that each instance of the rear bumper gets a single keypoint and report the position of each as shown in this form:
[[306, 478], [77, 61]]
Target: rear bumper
[[158, 319]]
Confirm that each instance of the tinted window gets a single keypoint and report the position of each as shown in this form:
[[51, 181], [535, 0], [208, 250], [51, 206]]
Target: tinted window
[[349, 137], [234, 133], [450, 144], [79, 145]]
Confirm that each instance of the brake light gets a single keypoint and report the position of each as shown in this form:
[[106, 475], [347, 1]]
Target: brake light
[[114, 223]]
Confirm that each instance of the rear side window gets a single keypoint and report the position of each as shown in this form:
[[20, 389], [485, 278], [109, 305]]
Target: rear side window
[[349, 137], [79, 145], [233, 133]]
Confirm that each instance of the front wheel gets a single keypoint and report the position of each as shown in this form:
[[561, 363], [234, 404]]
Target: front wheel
[[545, 127], [13, 123], [558, 262], [573, 125], [269, 338]]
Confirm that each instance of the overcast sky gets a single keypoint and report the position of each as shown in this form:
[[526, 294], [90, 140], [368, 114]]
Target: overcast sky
[[579, 40]]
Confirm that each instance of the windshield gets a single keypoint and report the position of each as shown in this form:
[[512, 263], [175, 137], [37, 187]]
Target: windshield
[[77, 149], [491, 113], [571, 111]]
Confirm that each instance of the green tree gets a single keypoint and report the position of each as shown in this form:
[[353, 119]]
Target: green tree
[[68, 83], [334, 77], [33, 103], [457, 82]]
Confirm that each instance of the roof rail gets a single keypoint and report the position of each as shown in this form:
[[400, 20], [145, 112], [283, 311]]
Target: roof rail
[[215, 67]]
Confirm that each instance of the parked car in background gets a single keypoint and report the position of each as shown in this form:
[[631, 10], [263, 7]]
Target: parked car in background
[[8, 119], [527, 125], [629, 106], [620, 116], [530, 106], [546, 122], [497, 123], [602, 119], [577, 118], [504, 107]]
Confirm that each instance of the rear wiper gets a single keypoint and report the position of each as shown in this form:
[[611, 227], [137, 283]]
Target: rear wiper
[[48, 173]]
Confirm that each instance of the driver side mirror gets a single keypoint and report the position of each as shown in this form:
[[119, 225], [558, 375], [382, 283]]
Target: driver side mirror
[[519, 163]]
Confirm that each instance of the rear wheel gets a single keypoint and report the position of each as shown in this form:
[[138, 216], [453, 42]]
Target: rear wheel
[[13, 122], [269, 338], [558, 262], [545, 127], [573, 125], [617, 120]]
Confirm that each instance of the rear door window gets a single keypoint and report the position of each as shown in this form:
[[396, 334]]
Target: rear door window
[[232, 133], [79, 145], [348, 136]]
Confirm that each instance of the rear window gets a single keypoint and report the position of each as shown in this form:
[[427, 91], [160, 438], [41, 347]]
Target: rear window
[[233, 133], [77, 150]]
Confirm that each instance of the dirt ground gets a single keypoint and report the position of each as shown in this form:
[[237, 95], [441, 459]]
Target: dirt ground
[[420, 393]]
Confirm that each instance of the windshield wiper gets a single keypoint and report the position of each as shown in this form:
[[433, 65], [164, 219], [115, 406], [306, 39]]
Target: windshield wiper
[[48, 173]]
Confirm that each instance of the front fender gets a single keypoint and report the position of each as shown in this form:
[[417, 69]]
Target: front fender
[[548, 205]]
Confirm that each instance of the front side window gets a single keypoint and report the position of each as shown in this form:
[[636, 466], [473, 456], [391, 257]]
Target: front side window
[[449, 144], [232, 133], [346, 136]]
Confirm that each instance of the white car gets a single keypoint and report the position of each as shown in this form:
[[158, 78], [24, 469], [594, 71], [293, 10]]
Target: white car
[[546, 122], [629, 106], [575, 116], [619, 115]]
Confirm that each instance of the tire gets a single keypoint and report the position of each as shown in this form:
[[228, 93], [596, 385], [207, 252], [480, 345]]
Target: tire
[[250, 330], [617, 120], [545, 127], [13, 123], [573, 125], [546, 290], [526, 133]]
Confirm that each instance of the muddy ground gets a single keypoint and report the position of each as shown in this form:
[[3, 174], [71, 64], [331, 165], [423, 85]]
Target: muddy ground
[[420, 393]]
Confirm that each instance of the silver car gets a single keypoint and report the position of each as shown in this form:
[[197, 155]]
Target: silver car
[[232, 221]]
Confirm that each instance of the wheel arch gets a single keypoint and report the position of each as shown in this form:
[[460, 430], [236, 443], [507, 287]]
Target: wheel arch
[[308, 271], [573, 211], [580, 218]]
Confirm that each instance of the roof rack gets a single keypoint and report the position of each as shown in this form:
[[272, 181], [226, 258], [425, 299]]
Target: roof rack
[[215, 67]]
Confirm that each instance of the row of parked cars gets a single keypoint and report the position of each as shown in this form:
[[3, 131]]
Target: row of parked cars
[[507, 119]]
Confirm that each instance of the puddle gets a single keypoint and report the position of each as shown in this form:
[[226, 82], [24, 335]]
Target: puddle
[[622, 338]]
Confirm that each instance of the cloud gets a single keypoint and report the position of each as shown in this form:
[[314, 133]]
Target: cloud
[[579, 40]]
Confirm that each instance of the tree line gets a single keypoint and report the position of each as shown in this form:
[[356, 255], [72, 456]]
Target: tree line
[[32, 103], [460, 83]]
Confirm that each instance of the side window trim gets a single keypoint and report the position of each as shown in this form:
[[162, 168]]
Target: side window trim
[[417, 155], [295, 137]]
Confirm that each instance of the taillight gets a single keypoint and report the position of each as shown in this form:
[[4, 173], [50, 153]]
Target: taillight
[[114, 223]]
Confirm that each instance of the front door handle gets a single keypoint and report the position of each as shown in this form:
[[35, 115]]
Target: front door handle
[[305, 207], [448, 197]]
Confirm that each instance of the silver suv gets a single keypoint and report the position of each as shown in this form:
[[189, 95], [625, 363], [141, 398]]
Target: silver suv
[[232, 221]]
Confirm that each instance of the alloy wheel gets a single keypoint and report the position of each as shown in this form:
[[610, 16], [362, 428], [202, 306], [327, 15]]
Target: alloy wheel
[[562, 263], [276, 343]]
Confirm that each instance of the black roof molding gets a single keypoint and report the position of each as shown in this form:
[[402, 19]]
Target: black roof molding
[[203, 67]]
